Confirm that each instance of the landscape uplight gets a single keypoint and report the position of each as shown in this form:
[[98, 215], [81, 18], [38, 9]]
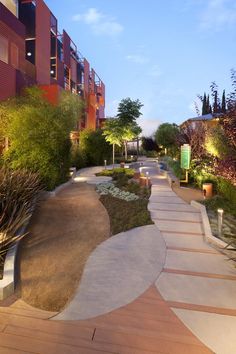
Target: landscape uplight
[[220, 213]]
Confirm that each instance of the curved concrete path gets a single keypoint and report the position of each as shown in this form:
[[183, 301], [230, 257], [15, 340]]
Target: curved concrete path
[[196, 281], [88, 175], [117, 272]]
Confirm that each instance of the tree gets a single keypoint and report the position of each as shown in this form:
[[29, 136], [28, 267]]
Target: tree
[[149, 144], [39, 134], [195, 137], [129, 111], [167, 136], [223, 103], [204, 105], [130, 132], [94, 147], [113, 134]]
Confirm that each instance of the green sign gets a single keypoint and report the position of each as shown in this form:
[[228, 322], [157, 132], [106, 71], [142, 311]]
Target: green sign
[[185, 156]]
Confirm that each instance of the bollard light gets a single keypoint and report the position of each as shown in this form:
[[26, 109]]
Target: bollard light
[[220, 213], [140, 170], [132, 157], [105, 164]]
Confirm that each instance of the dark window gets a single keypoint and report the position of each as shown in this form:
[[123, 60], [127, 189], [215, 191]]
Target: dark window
[[30, 51], [27, 16]]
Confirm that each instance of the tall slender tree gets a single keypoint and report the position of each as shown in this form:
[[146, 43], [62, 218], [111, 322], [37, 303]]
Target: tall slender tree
[[204, 105], [223, 103]]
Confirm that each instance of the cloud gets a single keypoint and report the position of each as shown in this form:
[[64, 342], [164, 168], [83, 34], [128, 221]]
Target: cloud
[[137, 59], [149, 126], [218, 14], [155, 71], [100, 23]]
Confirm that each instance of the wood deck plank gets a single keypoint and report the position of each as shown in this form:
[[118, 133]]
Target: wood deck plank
[[147, 343]]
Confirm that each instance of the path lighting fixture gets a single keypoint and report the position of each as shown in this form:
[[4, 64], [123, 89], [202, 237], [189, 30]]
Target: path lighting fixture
[[140, 170], [132, 157], [220, 213], [105, 164]]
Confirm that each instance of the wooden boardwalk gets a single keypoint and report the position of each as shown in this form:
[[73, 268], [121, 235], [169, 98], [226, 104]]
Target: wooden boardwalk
[[145, 326]]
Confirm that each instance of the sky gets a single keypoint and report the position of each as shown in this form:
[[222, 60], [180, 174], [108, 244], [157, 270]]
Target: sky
[[163, 53]]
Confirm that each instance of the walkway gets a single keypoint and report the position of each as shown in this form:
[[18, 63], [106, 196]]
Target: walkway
[[192, 287]]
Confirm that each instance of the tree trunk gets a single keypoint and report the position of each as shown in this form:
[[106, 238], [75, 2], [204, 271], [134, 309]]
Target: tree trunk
[[113, 155], [126, 154]]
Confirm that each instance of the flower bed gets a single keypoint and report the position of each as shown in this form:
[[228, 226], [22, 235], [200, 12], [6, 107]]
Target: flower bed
[[109, 188]]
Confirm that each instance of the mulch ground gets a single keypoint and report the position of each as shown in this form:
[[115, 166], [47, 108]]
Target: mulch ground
[[63, 232]]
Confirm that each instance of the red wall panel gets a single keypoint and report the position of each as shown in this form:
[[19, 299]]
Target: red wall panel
[[7, 81], [43, 41], [66, 48]]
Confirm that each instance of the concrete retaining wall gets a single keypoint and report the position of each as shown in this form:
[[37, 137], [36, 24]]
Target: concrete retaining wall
[[206, 225]]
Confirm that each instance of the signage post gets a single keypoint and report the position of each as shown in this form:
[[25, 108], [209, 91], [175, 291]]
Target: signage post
[[185, 159]]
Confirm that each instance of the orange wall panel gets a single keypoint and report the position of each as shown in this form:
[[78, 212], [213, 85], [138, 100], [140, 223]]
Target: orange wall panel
[[52, 93]]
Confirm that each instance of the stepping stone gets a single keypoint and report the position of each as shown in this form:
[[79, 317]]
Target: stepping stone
[[173, 207], [185, 241], [199, 262], [179, 226], [175, 215], [197, 290], [169, 200]]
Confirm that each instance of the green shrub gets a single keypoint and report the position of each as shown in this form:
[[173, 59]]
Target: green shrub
[[94, 146], [39, 135], [226, 189], [122, 159], [121, 179], [78, 158], [116, 172], [151, 153], [18, 191]]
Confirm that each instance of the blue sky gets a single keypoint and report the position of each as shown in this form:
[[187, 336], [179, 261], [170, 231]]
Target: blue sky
[[162, 52]]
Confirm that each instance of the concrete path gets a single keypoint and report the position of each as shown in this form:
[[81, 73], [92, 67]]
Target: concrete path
[[117, 272], [197, 282], [88, 175]]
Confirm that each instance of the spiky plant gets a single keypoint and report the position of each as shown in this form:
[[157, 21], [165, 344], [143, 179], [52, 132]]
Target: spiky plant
[[18, 191]]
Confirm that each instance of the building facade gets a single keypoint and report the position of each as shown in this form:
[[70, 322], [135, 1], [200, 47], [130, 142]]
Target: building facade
[[32, 51]]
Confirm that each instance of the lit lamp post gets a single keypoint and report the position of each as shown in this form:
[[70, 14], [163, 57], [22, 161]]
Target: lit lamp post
[[220, 213]]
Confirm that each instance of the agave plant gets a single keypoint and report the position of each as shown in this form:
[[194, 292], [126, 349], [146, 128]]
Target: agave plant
[[18, 191]]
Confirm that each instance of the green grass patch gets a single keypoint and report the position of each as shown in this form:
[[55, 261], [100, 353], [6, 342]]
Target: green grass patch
[[126, 215]]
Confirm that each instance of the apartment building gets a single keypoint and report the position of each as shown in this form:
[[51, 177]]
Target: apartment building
[[32, 51]]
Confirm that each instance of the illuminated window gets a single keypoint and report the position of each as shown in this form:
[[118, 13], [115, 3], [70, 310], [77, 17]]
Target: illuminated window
[[3, 49], [14, 56], [12, 6]]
